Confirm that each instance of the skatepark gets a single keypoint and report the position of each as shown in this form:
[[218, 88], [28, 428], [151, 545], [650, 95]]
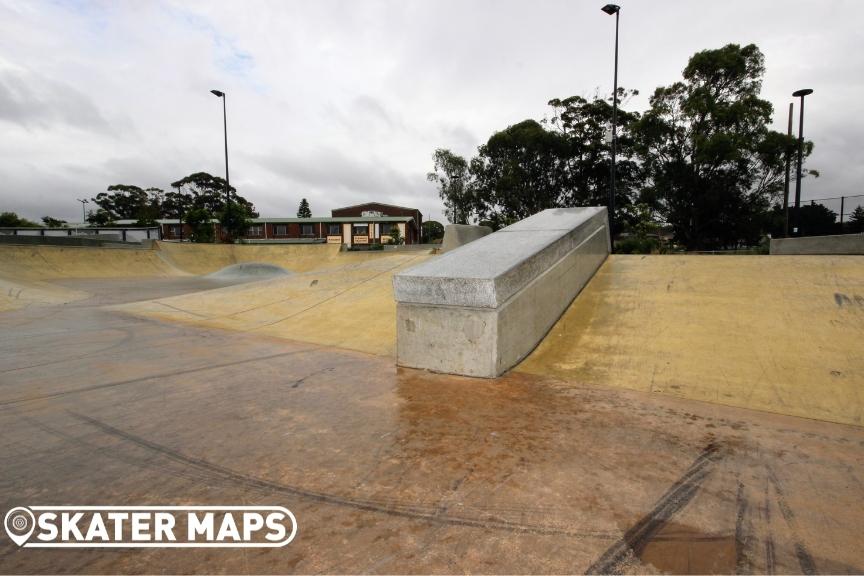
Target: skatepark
[[680, 413]]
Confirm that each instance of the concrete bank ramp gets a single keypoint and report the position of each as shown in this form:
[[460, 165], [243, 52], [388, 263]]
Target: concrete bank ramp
[[481, 308], [347, 306], [54, 262], [24, 293], [776, 333], [164, 259], [29, 275], [248, 272], [207, 258]]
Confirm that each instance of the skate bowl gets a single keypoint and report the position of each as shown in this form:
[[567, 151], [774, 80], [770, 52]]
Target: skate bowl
[[773, 333], [635, 437], [161, 259], [32, 275], [208, 258], [53, 262], [347, 306]]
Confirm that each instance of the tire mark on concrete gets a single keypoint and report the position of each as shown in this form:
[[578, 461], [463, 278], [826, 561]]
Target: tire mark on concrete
[[432, 516], [770, 556], [805, 559], [742, 531], [128, 336], [621, 554], [86, 389]]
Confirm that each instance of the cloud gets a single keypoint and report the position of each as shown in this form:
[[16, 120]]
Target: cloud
[[337, 179], [33, 101], [344, 102]]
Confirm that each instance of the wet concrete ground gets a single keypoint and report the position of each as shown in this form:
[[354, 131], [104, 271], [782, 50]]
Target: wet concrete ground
[[391, 470]]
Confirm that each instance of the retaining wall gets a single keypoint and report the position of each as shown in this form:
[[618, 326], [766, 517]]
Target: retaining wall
[[456, 235], [839, 244]]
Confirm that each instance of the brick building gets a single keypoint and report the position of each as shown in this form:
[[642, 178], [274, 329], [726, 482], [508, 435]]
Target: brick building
[[363, 224]]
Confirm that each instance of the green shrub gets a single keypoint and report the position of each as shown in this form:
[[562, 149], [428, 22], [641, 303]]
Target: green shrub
[[637, 245]]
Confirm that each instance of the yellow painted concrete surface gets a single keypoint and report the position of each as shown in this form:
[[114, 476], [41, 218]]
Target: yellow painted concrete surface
[[28, 273], [23, 293], [50, 262], [776, 333], [166, 259], [348, 306], [207, 258]]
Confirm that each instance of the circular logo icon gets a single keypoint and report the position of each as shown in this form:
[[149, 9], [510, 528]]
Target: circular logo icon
[[19, 523]]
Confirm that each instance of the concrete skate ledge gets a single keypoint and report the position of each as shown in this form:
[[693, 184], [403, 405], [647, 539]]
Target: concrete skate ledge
[[481, 308]]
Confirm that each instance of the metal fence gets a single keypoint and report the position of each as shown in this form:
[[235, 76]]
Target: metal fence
[[114, 233], [827, 216]]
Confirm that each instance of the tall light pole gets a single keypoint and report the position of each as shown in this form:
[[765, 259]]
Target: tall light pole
[[611, 9], [800, 94], [83, 211], [221, 95], [786, 180]]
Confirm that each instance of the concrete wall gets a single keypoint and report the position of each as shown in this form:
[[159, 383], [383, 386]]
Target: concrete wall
[[456, 235], [840, 244], [479, 309]]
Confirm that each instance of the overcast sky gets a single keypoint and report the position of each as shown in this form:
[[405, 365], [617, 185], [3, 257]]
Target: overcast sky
[[344, 101]]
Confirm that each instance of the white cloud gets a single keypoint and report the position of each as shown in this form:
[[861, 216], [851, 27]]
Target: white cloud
[[343, 102]]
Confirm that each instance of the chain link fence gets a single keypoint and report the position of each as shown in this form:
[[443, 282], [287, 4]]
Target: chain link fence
[[827, 216]]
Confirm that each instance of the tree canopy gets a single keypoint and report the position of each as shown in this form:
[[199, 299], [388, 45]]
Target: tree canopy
[[12, 220], [433, 231], [200, 222], [712, 166], [856, 220], [200, 192], [235, 221], [53, 222], [701, 159], [454, 185], [203, 190], [304, 211]]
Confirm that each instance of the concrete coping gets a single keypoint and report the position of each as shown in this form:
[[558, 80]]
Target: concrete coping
[[488, 271]]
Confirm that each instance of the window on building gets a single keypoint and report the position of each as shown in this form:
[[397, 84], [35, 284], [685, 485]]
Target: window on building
[[306, 230], [334, 230], [175, 230], [255, 230], [361, 230], [281, 230], [390, 228]]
